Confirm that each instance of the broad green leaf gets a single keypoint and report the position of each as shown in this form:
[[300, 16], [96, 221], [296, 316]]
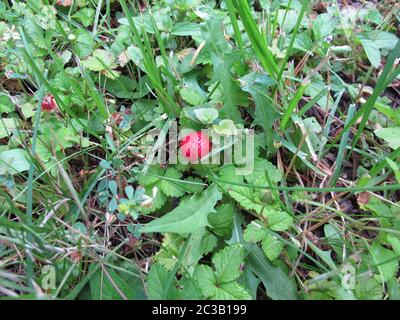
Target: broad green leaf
[[277, 283], [189, 216], [323, 26], [227, 263], [372, 51], [7, 125], [186, 29], [205, 278], [5, 104], [208, 243], [157, 280], [191, 96], [368, 289], [278, 220], [85, 16], [102, 288], [272, 246], [385, 260], [287, 20], [172, 188], [246, 198], [222, 220], [383, 39], [231, 291], [254, 232], [394, 242], [84, 43], [390, 135], [100, 60], [225, 127], [260, 166], [201, 114], [14, 161]]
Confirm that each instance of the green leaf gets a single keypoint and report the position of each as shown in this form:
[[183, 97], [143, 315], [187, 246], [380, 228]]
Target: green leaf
[[6, 126], [222, 220], [208, 243], [260, 166], [386, 261], [368, 289], [231, 291], [191, 96], [102, 288], [201, 114], [390, 135], [323, 26], [225, 127], [186, 29], [14, 161], [189, 216], [100, 60], [5, 104], [84, 43], [35, 32], [372, 51], [383, 39], [157, 280], [277, 283], [394, 242], [227, 263], [85, 16], [170, 188], [246, 198], [266, 114], [221, 284], [254, 232], [223, 57], [272, 246], [278, 220], [205, 278]]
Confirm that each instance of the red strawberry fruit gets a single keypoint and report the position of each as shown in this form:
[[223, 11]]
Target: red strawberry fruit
[[195, 146], [48, 103]]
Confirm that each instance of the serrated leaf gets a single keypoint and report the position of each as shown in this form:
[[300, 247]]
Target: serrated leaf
[[278, 220], [205, 278], [260, 166], [245, 197], [272, 246], [231, 291], [208, 243], [254, 232], [227, 263], [368, 289], [171, 188], [189, 216]]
